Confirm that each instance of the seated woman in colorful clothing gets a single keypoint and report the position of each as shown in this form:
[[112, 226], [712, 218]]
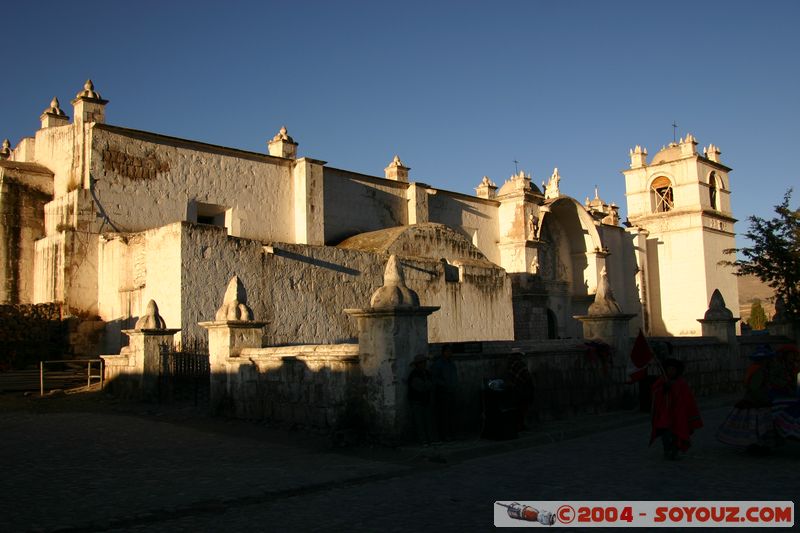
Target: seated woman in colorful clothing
[[675, 413], [750, 424], [783, 390]]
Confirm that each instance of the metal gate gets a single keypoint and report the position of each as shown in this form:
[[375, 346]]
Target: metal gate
[[185, 374]]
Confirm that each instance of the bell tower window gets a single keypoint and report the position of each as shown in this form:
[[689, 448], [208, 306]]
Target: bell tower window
[[713, 197], [661, 192]]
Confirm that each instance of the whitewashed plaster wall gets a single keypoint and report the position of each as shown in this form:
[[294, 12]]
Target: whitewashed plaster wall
[[356, 203], [622, 268], [57, 149], [145, 181], [303, 290], [476, 218]]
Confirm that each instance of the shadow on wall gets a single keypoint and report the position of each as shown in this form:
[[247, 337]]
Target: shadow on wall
[[30, 333], [316, 262]]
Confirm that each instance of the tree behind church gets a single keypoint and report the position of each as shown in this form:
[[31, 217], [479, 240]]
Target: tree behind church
[[774, 255], [758, 318]]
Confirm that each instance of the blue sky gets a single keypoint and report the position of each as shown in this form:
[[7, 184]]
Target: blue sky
[[458, 89]]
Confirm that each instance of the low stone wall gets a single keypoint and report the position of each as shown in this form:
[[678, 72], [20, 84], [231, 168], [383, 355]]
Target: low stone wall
[[30, 333], [320, 386], [315, 386], [570, 380], [567, 380]]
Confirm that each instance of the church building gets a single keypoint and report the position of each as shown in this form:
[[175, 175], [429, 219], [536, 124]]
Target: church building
[[104, 218]]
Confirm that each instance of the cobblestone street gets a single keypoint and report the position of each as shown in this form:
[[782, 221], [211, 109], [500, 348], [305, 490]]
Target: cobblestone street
[[103, 470]]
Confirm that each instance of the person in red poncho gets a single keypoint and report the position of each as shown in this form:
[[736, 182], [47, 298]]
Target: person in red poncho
[[675, 412]]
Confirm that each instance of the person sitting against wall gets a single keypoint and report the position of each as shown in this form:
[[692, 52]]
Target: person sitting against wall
[[675, 415], [445, 379], [420, 396], [750, 424]]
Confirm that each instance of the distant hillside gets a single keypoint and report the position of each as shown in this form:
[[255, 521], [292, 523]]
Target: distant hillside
[[750, 289]]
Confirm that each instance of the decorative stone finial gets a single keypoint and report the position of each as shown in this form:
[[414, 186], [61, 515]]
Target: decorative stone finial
[[88, 91], [234, 304], [394, 294], [604, 301], [282, 145], [551, 190], [54, 108], [712, 153], [283, 135], [487, 188], [150, 319], [688, 145], [638, 157], [397, 170], [717, 309], [5, 151]]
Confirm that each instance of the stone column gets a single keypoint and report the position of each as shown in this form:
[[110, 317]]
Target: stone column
[[140, 363], [605, 320], [718, 321], [391, 332], [232, 330]]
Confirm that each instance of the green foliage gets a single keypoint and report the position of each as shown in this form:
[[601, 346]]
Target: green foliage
[[774, 256], [758, 318]]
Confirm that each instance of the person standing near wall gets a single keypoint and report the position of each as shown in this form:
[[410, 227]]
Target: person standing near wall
[[420, 396], [521, 386], [675, 415], [445, 379]]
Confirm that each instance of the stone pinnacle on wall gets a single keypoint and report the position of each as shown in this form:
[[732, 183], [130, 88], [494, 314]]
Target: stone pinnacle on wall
[[394, 294], [151, 319], [88, 91], [54, 108], [396, 170], [5, 151], [234, 303], [282, 145], [604, 301]]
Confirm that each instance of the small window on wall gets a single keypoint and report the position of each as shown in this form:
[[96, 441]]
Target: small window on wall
[[211, 214], [661, 191]]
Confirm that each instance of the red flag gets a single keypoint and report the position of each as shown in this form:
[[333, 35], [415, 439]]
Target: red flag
[[641, 355]]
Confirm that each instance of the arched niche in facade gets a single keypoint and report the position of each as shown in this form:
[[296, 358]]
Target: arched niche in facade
[[571, 241]]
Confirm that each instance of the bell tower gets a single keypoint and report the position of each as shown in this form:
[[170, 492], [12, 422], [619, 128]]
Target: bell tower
[[682, 201]]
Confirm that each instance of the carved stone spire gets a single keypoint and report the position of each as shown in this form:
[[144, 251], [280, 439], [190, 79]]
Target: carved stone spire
[[54, 108], [282, 145], [717, 309], [53, 115], [551, 190], [5, 151], [394, 294], [638, 157], [234, 303], [88, 105], [487, 188], [396, 170], [604, 301], [712, 153], [151, 319], [88, 91]]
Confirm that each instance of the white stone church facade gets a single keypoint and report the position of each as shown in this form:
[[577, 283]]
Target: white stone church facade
[[104, 218]]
